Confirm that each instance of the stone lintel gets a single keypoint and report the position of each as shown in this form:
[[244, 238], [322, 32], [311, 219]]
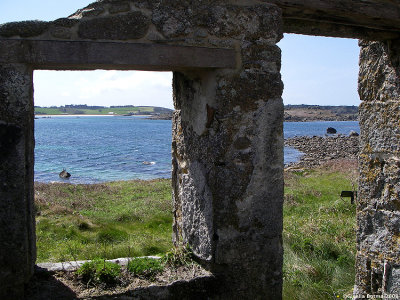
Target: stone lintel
[[321, 28], [380, 18], [86, 55]]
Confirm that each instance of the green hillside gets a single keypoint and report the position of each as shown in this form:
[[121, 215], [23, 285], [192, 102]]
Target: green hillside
[[100, 110]]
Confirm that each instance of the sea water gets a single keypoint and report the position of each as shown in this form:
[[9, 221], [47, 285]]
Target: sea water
[[107, 148]]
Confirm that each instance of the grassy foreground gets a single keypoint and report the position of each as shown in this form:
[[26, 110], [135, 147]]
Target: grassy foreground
[[319, 233], [134, 218], [117, 219]]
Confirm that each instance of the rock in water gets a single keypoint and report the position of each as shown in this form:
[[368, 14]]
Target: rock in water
[[353, 133], [64, 174], [331, 130]]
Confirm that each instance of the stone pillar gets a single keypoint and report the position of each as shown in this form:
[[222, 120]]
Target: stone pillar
[[17, 226], [228, 169], [378, 207]]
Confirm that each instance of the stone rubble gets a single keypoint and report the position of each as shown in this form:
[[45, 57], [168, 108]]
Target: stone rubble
[[318, 150]]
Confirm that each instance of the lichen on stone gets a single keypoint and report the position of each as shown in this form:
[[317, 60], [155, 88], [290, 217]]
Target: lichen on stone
[[23, 29], [133, 25]]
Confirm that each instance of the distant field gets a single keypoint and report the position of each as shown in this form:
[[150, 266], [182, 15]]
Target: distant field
[[293, 113], [78, 110]]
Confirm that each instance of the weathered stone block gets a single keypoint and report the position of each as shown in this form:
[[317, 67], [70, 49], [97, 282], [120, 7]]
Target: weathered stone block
[[379, 121], [23, 29], [119, 7], [65, 22], [228, 174], [393, 280], [379, 71], [92, 12], [61, 33], [133, 25], [378, 207], [17, 227], [226, 20], [110, 55]]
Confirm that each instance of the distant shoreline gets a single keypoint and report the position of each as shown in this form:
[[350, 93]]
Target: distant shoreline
[[78, 115], [292, 113], [162, 117]]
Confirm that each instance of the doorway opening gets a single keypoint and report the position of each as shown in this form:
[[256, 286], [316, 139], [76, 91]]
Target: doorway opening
[[319, 235]]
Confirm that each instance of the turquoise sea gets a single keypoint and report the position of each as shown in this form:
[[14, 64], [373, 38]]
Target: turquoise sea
[[106, 148]]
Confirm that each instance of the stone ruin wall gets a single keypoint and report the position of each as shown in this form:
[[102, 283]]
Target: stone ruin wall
[[227, 149], [378, 208]]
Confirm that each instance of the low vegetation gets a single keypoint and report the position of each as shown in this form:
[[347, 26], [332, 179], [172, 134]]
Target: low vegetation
[[99, 271], [178, 256], [319, 232], [134, 218], [117, 219], [145, 267], [102, 274]]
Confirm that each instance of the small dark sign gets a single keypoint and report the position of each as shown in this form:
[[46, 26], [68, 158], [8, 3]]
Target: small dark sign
[[348, 194]]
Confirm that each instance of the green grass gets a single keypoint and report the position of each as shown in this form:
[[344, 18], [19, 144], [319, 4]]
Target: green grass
[[134, 218], [319, 233], [118, 219], [99, 271], [145, 267]]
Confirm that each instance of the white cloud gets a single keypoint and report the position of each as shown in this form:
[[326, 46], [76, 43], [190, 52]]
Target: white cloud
[[103, 88]]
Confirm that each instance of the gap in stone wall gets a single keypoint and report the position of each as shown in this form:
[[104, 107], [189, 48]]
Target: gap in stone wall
[[90, 214], [319, 225]]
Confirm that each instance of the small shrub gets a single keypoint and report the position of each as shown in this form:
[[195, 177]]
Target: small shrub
[[87, 271], [178, 256], [146, 267], [100, 271]]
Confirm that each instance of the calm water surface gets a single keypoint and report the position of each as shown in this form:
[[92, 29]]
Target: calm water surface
[[99, 149]]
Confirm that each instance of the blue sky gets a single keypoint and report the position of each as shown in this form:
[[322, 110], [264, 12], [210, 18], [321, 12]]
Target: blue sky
[[315, 70]]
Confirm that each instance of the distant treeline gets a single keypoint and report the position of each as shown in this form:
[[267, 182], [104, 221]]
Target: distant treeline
[[83, 109], [293, 113]]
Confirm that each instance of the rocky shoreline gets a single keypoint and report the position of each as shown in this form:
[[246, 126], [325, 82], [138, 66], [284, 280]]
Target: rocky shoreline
[[160, 117], [319, 150]]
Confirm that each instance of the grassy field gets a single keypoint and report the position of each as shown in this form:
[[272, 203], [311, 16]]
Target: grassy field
[[319, 233], [118, 219], [134, 218]]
